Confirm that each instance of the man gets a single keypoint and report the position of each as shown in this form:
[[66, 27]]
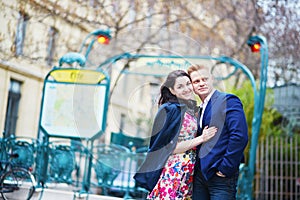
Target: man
[[218, 160]]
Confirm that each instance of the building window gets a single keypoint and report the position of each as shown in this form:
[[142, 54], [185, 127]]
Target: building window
[[52, 35], [20, 34], [14, 96]]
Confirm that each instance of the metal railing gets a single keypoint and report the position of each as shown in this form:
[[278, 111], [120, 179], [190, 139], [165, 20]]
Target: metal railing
[[278, 168], [113, 165]]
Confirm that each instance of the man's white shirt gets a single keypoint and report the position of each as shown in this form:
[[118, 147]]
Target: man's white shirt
[[204, 104]]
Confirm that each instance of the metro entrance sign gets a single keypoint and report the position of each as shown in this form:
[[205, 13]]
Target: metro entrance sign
[[74, 103], [74, 106], [77, 76]]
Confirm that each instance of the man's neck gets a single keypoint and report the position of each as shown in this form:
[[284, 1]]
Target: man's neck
[[208, 96]]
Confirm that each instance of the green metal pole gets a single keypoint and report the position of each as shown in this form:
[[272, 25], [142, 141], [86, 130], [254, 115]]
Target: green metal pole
[[43, 161], [258, 110], [87, 169]]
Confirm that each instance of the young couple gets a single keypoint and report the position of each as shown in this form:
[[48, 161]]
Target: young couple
[[193, 154]]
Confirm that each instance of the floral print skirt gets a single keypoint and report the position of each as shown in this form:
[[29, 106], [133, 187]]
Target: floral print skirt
[[176, 179]]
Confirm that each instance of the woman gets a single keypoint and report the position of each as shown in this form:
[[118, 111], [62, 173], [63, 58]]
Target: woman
[[167, 171]]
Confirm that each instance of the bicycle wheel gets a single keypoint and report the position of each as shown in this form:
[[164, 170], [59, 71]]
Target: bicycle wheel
[[17, 183]]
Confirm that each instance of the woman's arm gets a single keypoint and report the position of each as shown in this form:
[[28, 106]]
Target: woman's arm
[[207, 134]]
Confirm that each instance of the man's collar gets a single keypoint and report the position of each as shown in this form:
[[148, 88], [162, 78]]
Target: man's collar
[[209, 96]]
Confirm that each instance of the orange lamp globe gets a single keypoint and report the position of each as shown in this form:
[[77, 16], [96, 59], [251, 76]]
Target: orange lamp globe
[[102, 39], [255, 47]]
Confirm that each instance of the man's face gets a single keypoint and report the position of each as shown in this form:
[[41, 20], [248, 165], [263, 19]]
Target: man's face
[[202, 81]]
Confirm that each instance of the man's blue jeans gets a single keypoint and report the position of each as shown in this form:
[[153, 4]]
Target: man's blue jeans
[[216, 188]]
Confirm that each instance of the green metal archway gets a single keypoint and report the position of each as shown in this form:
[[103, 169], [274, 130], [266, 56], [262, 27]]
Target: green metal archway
[[161, 65], [143, 65]]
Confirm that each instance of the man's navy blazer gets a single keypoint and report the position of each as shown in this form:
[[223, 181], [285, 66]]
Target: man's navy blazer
[[225, 151]]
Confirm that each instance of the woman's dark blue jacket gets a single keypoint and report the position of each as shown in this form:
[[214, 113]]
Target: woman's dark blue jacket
[[165, 131]]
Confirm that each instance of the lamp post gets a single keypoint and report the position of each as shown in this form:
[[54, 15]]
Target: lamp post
[[257, 44], [102, 36]]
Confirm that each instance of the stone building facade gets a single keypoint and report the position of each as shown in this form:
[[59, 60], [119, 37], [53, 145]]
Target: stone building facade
[[32, 41], [34, 35]]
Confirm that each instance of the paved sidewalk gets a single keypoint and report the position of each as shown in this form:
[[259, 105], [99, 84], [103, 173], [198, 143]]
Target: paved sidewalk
[[66, 192], [52, 194], [61, 192]]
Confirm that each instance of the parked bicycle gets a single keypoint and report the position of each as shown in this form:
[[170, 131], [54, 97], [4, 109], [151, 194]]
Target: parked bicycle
[[16, 182]]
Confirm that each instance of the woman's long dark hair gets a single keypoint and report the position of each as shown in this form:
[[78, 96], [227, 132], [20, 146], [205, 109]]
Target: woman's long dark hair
[[165, 93]]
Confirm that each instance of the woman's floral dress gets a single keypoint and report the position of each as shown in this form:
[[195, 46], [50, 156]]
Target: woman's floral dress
[[176, 179]]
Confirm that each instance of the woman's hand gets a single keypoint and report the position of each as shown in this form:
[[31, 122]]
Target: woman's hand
[[208, 133]]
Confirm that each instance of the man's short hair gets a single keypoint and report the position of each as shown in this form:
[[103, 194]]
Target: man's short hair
[[196, 67]]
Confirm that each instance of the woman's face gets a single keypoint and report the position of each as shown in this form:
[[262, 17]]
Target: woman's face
[[183, 88]]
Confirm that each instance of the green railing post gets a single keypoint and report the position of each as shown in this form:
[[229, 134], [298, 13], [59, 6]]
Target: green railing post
[[88, 168], [42, 162]]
